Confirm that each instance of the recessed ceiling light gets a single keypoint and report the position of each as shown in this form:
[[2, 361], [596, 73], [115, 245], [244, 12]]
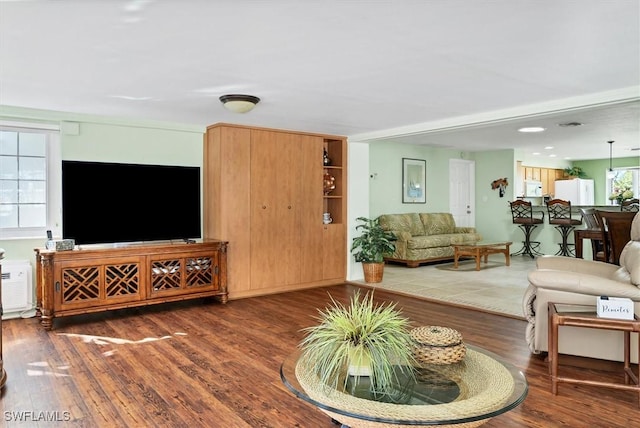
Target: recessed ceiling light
[[535, 153], [531, 129], [549, 148], [552, 155], [130, 98], [570, 124]]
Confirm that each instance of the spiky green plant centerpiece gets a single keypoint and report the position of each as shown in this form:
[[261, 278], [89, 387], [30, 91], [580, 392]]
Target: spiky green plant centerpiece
[[361, 334]]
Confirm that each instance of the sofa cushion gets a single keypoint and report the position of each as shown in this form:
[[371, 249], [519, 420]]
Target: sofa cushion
[[438, 223], [402, 223], [630, 260], [444, 240]]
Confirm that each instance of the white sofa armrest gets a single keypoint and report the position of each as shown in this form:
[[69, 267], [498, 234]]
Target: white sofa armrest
[[573, 282], [572, 264]]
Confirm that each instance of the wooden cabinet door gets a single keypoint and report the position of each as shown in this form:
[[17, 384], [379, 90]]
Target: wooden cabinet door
[[275, 199], [528, 173], [334, 252], [182, 273], [227, 175], [545, 181], [311, 227], [94, 282]]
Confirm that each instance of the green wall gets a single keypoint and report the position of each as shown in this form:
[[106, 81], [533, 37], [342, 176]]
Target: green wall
[[597, 169], [109, 140], [385, 184], [493, 215]]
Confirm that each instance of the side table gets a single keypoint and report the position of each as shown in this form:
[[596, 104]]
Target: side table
[[585, 316]]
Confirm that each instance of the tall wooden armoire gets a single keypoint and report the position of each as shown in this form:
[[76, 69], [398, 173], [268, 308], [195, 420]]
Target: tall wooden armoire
[[266, 192]]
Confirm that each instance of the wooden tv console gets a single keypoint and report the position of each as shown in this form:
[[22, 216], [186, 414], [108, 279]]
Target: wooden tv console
[[96, 278]]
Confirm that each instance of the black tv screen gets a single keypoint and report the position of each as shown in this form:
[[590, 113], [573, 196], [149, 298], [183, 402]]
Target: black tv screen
[[117, 202]]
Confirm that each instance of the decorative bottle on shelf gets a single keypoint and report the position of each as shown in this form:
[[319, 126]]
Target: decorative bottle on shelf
[[329, 183], [326, 161]]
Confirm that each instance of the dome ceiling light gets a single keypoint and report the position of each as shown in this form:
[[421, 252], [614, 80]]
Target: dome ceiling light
[[238, 103]]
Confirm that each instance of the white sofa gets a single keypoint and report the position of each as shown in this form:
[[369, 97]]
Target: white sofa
[[578, 281]]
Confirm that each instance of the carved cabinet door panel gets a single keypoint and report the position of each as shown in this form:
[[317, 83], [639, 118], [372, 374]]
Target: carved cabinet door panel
[[89, 283]]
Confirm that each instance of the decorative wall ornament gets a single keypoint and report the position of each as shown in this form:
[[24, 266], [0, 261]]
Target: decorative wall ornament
[[500, 183]]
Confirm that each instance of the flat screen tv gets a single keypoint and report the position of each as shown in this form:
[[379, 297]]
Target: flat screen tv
[[123, 203]]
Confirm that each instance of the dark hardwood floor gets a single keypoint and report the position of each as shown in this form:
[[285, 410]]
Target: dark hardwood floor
[[202, 364]]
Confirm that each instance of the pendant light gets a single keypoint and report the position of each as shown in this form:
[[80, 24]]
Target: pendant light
[[610, 174]]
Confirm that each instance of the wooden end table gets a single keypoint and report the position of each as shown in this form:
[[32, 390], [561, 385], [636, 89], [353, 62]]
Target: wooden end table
[[585, 316], [479, 250]]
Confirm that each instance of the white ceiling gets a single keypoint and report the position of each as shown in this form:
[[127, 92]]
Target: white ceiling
[[370, 70]]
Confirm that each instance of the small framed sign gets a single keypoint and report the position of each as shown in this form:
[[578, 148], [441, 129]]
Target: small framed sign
[[414, 172]]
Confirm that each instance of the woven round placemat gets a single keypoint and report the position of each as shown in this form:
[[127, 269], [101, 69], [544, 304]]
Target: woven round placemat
[[437, 345], [486, 385]]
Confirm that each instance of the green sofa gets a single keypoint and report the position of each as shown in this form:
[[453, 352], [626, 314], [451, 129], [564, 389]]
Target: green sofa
[[425, 237]]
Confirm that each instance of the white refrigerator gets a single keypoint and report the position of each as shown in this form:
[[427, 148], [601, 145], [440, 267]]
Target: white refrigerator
[[578, 191]]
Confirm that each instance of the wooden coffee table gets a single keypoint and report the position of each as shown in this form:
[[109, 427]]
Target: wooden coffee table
[[480, 250]]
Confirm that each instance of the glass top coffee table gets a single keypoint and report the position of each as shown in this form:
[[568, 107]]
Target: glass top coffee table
[[464, 394]]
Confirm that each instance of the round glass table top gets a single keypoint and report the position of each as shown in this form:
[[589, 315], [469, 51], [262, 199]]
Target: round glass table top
[[470, 392]]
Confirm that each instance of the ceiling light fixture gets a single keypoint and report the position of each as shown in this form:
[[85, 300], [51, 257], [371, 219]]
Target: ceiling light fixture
[[531, 129], [239, 103], [610, 173], [569, 124]]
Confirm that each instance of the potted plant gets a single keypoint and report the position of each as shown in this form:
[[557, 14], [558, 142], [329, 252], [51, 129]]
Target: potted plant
[[369, 248], [575, 172], [361, 339]]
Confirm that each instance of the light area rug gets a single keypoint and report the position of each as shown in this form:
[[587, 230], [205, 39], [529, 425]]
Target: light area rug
[[495, 288]]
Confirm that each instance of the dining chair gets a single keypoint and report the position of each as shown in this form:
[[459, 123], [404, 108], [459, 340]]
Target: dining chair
[[616, 230], [597, 244]]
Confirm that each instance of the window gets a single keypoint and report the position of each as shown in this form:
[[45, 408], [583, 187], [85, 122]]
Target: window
[[29, 180], [622, 184]]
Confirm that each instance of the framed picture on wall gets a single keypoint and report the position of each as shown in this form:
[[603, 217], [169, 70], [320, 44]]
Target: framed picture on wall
[[414, 173]]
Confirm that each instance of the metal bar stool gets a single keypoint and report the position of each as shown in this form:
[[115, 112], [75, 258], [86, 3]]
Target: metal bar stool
[[632, 205], [522, 215], [560, 216]]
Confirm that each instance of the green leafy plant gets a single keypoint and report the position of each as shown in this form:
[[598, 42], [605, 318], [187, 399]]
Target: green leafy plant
[[373, 242], [361, 333], [575, 171]]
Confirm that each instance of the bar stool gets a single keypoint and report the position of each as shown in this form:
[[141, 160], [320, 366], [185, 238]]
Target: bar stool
[[522, 215], [560, 216], [632, 205]]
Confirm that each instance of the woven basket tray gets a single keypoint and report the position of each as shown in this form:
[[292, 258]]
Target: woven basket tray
[[437, 345]]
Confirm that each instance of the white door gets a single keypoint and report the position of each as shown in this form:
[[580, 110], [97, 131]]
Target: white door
[[462, 191]]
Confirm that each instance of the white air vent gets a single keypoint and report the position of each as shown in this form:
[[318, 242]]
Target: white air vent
[[17, 291]]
